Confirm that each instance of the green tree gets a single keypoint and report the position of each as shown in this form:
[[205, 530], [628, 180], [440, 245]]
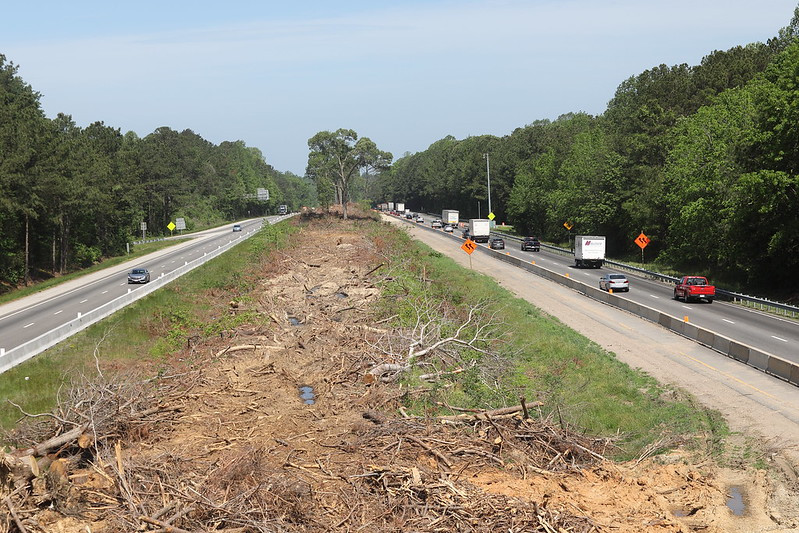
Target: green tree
[[339, 157]]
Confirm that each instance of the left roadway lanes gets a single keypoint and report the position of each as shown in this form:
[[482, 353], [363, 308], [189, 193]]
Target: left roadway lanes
[[27, 318]]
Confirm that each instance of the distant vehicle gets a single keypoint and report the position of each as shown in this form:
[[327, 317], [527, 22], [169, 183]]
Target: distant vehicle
[[236, 227], [449, 216], [589, 251], [617, 282], [531, 244], [419, 219], [399, 207], [409, 215], [465, 233], [480, 229], [694, 288], [449, 228], [282, 209], [496, 243], [139, 275], [436, 224]]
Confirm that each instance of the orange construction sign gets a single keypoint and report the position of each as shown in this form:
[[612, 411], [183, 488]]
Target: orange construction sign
[[642, 240], [469, 246]]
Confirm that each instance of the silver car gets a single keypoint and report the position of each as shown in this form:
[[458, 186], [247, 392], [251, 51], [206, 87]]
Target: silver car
[[617, 282]]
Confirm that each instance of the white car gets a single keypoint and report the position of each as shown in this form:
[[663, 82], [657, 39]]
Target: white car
[[448, 228], [436, 224], [617, 282], [420, 220]]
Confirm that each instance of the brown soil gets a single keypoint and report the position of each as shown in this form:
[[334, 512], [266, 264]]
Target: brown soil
[[242, 451]]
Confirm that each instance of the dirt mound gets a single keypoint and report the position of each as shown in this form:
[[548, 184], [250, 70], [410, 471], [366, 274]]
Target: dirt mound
[[278, 431]]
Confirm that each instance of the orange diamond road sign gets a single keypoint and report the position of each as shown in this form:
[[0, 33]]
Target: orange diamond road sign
[[642, 240], [469, 246], [568, 225]]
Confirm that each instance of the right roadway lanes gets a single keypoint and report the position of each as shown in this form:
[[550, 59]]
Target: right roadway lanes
[[770, 333]]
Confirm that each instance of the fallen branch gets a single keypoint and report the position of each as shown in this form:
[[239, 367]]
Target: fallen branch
[[487, 415], [231, 349]]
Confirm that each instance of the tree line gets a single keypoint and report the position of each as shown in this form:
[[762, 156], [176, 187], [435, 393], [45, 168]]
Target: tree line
[[702, 159], [70, 196]]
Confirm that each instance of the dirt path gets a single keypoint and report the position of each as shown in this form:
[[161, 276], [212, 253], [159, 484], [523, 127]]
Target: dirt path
[[243, 451]]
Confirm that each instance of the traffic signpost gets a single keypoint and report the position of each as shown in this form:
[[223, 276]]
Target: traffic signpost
[[469, 247], [642, 241]]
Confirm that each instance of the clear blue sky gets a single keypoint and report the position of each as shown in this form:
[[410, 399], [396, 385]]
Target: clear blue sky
[[403, 73]]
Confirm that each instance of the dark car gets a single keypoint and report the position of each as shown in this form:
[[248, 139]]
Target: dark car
[[139, 275], [236, 227], [465, 233], [496, 243], [531, 244], [408, 215]]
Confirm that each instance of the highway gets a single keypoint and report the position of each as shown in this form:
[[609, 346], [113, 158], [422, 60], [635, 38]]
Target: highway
[[27, 318], [773, 334]]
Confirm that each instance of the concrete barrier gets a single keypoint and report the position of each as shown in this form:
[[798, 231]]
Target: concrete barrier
[[23, 352], [771, 364]]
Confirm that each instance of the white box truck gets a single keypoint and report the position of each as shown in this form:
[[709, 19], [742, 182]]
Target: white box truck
[[479, 229], [449, 216], [391, 206], [589, 251], [400, 207]]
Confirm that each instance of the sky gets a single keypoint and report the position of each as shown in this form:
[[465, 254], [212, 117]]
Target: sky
[[403, 73]]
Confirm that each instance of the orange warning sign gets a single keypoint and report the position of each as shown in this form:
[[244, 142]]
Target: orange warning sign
[[469, 246], [642, 240]]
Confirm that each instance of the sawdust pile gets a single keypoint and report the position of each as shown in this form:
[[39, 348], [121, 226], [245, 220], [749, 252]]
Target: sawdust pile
[[275, 429]]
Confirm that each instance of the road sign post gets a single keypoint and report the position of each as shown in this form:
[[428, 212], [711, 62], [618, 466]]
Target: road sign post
[[642, 241]]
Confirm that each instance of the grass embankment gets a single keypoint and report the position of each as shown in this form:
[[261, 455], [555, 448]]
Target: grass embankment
[[533, 355], [146, 331]]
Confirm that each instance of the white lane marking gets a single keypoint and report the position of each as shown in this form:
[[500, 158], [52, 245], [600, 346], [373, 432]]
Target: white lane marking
[[778, 338], [84, 301], [656, 297], [59, 311], [685, 306], [103, 292], [728, 321], [29, 325]]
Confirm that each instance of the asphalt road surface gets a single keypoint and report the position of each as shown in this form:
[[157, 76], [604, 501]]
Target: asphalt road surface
[[751, 401]]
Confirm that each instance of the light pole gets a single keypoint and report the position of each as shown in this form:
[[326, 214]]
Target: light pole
[[488, 178]]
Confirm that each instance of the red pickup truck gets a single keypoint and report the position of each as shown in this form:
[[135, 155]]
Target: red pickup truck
[[694, 288]]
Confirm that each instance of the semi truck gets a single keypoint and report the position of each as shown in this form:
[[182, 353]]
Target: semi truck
[[479, 229], [589, 251], [449, 216]]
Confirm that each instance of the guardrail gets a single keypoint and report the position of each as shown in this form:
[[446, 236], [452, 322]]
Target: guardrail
[[762, 304], [764, 361], [23, 352]]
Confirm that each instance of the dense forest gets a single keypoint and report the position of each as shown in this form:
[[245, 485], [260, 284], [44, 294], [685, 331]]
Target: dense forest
[[70, 196], [703, 159]]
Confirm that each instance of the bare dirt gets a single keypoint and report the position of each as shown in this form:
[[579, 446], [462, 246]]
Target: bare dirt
[[235, 447]]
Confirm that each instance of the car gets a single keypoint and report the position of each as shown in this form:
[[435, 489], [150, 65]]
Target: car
[[420, 219], [465, 234], [449, 228], [236, 227], [408, 215], [139, 275], [496, 243], [531, 244], [436, 224], [616, 282]]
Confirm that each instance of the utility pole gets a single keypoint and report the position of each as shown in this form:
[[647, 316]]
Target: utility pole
[[488, 178]]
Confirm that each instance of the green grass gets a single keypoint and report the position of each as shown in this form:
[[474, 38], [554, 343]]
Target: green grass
[[542, 359], [147, 330]]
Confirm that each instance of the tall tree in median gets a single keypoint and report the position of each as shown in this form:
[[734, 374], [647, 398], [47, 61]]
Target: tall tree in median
[[339, 156]]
